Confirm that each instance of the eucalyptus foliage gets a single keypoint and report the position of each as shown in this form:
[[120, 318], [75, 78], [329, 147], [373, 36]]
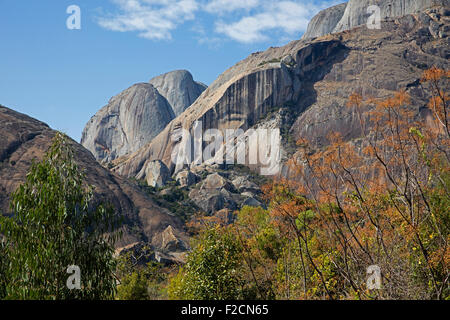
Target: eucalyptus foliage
[[55, 224]]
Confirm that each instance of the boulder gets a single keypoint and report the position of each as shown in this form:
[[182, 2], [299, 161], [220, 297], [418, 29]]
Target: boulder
[[434, 28], [247, 194], [186, 178], [288, 60], [211, 200], [156, 174], [170, 242], [251, 202], [216, 181], [166, 192], [243, 184], [163, 258]]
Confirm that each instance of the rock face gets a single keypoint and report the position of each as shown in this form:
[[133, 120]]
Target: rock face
[[240, 97], [156, 174], [186, 178], [129, 121], [179, 88], [312, 80], [325, 21], [356, 11], [380, 63], [24, 139], [244, 185], [134, 117]]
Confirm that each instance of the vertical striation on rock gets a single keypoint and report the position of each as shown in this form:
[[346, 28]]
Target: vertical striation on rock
[[312, 80]]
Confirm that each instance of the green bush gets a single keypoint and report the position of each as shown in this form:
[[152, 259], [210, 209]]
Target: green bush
[[211, 271]]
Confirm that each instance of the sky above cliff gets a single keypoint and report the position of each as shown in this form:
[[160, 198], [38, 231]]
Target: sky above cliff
[[63, 76]]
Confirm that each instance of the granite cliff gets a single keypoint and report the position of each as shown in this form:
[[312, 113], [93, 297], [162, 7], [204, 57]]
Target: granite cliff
[[355, 13], [312, 80], [179, 88], [134, 117]]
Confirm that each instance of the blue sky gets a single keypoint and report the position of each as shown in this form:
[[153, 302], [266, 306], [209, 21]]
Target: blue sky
[[62, 76]]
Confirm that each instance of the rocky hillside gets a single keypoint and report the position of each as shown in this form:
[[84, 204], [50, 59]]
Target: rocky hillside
[[25, 139], [135, 116], [355, 13], [312, 80], [301, 88]]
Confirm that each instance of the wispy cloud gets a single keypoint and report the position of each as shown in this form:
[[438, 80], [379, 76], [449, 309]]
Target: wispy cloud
[[287, 16], [224, 6], [152, 19], [245, 21]]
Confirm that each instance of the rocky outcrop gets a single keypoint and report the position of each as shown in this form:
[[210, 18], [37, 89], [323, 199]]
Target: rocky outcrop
[[312, 81], [169, 252], [134, 117], [210, 201], [216, 181], [239, 98], [242, 184], [225, 189], [179, 88], [324, 22], [24, 139], [379, 63], [129, 121], [213, 194], [186, 178], [170, 242], [156, 174], [356, 11], [251, 202]]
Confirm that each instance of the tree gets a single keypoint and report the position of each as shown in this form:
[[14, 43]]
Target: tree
[[133, 287], [138, 281], [383, 199], [56, 224], [211, 270], [377, 202]]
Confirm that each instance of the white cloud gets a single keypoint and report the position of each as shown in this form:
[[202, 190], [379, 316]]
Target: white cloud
[[245, 21], [224, 6], [287, 16], [153, 19]]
